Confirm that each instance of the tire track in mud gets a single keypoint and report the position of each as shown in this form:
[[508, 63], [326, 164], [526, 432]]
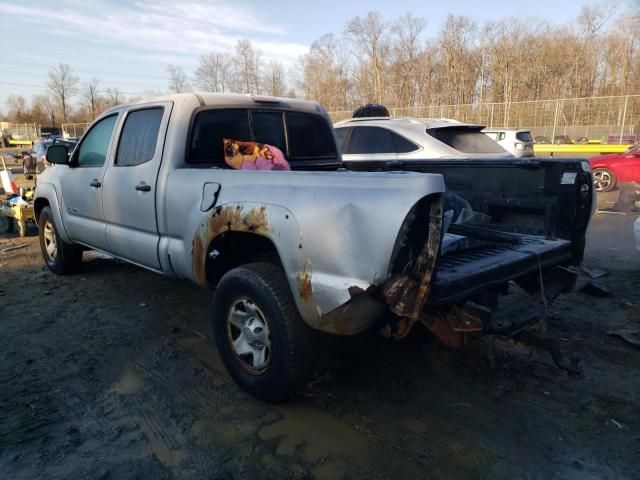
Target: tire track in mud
[[162, 391]]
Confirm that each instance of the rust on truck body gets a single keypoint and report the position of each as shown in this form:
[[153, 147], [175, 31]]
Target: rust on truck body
[[405, 294], [236, 218]]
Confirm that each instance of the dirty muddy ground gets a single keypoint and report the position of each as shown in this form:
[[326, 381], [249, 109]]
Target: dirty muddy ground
[[112, 374]]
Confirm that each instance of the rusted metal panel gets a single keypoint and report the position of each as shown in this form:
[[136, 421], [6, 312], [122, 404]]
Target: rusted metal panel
[[405, 295], [427, 261], [304, 283], [237, 218]]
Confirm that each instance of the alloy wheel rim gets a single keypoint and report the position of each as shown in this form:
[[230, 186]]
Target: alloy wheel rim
[[601, 179], [249, 335], [50, 242]]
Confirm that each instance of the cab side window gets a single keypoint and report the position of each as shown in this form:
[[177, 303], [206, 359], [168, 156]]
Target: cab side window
[[139, 137], [93, 149]]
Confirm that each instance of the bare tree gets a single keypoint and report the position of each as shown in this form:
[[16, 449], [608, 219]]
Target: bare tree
[[41, 109], [114, 96], [214, 72], [248, 62], [405, 53], [325, 73], [274, 79], [63, 85], [91, 96], [177, 80], [369, 37], [17, 110]]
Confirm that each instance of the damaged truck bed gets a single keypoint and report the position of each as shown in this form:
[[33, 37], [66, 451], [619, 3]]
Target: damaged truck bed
[[319, 247], [509, 220]]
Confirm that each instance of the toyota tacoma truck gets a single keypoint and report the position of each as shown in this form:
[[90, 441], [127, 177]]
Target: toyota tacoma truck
[[318, 247]]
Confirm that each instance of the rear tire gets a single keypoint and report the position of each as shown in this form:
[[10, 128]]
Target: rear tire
[[604, 180], [6, 224], [61, 258], [264, 343]]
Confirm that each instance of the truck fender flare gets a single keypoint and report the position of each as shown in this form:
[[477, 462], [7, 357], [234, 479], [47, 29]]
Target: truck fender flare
[[274, 222], [46, 194]]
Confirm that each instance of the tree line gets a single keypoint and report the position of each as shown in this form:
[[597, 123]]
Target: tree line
[[393, 62], [512, 59]]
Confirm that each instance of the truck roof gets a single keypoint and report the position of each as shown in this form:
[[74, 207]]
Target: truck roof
[[231, 100]]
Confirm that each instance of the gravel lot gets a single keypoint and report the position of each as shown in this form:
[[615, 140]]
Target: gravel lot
[[112, 374]]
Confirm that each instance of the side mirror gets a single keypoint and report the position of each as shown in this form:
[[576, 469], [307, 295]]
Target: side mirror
[[58, 154]]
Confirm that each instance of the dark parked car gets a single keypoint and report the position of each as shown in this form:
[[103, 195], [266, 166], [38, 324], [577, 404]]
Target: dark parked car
[[36, 161]]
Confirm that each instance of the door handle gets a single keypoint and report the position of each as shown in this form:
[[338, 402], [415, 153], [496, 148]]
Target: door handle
[[95, 183], [143, 187]]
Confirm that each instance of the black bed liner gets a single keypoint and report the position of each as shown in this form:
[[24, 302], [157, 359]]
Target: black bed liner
[[463, 273]]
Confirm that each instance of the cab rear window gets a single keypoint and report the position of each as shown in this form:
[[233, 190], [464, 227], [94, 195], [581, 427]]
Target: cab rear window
[[465, 140], [300, 136]]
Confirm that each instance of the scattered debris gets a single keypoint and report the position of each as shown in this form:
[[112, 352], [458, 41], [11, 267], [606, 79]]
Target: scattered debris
[[201, 335], [594, 272], [143, 304], [596, 289], [631, 336], [616, 423], [12, 248]]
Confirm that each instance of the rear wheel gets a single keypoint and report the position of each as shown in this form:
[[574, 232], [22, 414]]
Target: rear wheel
[[604, 179], [61, 258], [264, 343], [6, 224]]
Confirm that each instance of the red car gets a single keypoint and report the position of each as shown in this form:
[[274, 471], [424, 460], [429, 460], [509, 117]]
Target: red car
[[616, 168]]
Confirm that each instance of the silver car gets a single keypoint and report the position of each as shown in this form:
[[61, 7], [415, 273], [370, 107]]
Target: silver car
[[518, 141], [398, 139]]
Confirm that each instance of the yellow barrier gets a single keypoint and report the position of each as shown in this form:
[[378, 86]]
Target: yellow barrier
[[23, 143], [578, 148]]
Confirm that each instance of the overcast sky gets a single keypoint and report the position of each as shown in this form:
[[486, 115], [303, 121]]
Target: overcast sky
[[129, 44]]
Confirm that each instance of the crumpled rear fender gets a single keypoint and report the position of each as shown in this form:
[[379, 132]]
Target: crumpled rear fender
[[336, 260]]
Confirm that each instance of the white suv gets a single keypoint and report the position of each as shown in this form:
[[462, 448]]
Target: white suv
[[518, 141], [406, 139]]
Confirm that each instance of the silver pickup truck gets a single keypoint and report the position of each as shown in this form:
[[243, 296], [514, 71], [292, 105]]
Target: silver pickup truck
[[317, 248]]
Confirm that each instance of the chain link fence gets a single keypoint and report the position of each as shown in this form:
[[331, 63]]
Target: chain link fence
[[20, 131], [562, 120], [74, 130]]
